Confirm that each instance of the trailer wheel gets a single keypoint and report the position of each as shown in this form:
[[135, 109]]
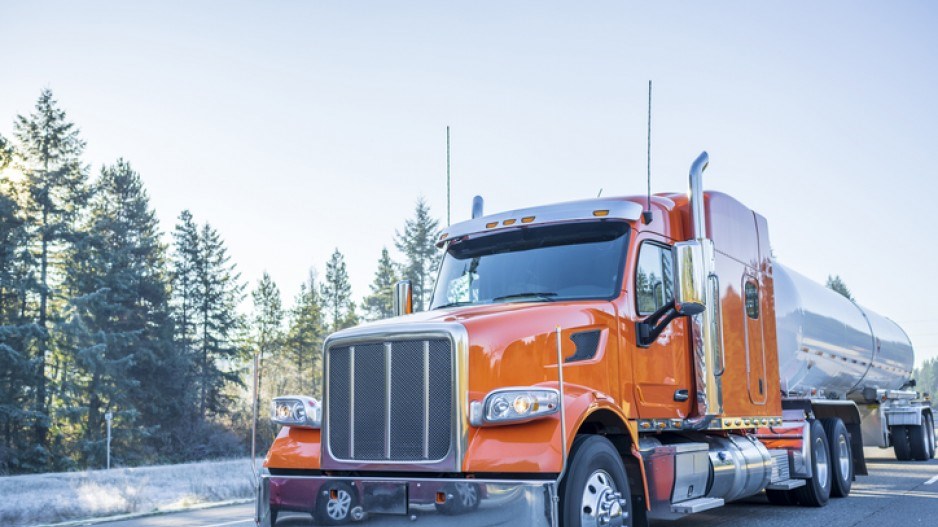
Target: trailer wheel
[[921, 440], [595, 489], [817, 490], [901, 442], [841, 457], [931, 434]]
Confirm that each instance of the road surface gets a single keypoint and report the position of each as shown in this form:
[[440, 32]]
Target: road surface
[[894, 494]]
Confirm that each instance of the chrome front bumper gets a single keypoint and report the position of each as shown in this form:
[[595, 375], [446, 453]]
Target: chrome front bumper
[[393, 501]]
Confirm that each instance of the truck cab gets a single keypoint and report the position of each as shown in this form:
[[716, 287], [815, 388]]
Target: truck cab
[[597, 362]]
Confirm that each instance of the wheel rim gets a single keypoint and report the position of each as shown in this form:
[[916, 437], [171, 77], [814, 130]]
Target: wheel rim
[[931, 434], [843, 457], [338, 508], [821, 463], [602, 503]]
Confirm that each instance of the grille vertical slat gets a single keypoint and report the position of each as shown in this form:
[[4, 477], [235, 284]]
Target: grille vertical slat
[[391, 400], [369, 404], [340, 403]]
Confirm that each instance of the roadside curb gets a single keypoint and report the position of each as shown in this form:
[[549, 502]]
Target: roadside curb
[[133, 515]]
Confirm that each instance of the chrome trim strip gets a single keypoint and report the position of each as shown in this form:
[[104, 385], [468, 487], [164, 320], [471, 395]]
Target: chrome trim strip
[[459, 340], [426, 399], [582, 210], [351, 406], [387, 397]]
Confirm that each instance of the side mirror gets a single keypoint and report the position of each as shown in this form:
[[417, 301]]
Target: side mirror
[[689, 279], [403, 298]]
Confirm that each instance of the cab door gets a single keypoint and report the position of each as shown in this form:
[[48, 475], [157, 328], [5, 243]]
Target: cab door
[[661, 372]]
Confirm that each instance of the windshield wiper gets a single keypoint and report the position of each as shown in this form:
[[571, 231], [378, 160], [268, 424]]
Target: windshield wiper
[[454, 304], [545, 296]]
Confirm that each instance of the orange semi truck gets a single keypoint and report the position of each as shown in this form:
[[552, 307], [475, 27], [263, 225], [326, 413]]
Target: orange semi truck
[[598, 363]]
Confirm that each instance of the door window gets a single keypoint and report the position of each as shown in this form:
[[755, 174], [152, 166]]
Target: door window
[[653, 278]]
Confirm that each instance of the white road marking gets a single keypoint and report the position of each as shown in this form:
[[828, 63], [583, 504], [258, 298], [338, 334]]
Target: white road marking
[[236, 522], [932, 480]]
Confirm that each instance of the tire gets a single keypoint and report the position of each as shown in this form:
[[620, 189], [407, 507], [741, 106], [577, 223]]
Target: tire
[[920, 441], [273, 516], [841, 458], [782, 498], [465, 498], [334, 504], [931, 434], [595, 474], [901, 442], [817, 490]]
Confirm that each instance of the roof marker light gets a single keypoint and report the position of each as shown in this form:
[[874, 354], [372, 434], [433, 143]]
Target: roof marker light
[[527, 219], [601, 212]]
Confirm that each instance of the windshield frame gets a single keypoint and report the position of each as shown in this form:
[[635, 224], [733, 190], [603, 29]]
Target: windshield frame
[[620, 266]]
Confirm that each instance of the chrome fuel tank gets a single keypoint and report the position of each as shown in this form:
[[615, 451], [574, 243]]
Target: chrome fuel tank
[[828, 345]]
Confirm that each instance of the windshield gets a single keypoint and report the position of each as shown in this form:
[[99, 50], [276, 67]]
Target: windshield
[[575, 261]]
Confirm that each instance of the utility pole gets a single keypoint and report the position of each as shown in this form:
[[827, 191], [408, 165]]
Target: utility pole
[[108, 417]]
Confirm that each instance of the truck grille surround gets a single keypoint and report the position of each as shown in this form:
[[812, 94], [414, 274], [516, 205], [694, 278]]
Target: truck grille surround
[[390, 400]]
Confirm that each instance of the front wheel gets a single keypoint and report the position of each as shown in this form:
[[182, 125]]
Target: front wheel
[[595, 489]]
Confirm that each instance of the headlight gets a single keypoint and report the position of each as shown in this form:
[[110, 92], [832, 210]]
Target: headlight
[[296, 410], [514, 405]]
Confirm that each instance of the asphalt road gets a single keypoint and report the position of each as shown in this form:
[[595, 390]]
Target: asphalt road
[[894, 494]]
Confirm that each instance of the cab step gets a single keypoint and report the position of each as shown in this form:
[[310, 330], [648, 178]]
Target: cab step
[[696, 505], [786, 484]]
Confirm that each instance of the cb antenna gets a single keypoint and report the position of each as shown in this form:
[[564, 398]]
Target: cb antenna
[[447, 177], [646, 215]]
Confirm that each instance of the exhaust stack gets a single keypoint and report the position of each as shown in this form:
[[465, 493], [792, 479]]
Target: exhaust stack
[[707, 327], [477, 204]]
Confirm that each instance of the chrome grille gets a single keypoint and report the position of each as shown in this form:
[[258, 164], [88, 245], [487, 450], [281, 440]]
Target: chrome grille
[[390, 400]]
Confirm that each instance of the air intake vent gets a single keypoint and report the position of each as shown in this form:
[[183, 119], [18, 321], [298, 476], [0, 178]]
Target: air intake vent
[[587, 344]]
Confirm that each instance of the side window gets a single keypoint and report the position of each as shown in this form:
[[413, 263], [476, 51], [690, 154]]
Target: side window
[[752, 299], [653, 277]]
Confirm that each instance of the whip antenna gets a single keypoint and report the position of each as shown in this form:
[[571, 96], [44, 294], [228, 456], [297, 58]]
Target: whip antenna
[[447, 177], [646, 215]]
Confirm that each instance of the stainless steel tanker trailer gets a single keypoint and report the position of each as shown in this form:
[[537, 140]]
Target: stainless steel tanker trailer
[[834, 351]]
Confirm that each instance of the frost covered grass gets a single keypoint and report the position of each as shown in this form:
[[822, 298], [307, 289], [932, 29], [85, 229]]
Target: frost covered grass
[[56, 497]]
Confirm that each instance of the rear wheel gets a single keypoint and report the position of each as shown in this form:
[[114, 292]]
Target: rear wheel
[[901, 442], [930, 428], [817, 490], [841, 457], [273, 516], [595, 489], [920, 440]]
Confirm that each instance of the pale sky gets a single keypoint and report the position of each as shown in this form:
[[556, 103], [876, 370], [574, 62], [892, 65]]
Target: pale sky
[[298, 127]]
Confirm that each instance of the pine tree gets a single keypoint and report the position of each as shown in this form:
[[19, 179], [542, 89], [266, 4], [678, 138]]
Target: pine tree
[[418, 244], [6, 153], [17, 335], [184, 281], [302, 359], [837, 284], [49, 149], [116, 330], [337, 293], [266, 333], [218, 292], [379, 304]]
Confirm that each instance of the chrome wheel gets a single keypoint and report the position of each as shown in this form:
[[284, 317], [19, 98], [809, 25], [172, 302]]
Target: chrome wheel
[[602, 503], [338, 507], [822, 463], [468, 495], [843, 455]]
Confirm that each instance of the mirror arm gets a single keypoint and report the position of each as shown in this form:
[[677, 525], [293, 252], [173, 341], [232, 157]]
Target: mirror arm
[[648, 330]]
